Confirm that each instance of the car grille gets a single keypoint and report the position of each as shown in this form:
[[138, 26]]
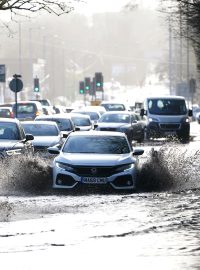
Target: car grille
[[169, 126], [95, 171]]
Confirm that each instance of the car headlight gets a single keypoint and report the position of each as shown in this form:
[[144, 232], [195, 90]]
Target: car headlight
[[185, 120], [14, 152], [153, 120], [124, 168], [64, 166]]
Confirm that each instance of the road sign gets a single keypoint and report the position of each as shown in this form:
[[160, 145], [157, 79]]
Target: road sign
[[16, 85], [2, 73]]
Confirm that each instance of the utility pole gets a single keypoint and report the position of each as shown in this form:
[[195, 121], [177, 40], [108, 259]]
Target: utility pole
[[188, 57], [170, 57]]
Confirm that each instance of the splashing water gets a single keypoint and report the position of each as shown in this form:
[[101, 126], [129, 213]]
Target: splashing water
[[174, 167], [24, 174]]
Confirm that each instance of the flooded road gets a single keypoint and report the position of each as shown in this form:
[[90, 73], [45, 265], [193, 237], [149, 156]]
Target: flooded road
[[156, 228]]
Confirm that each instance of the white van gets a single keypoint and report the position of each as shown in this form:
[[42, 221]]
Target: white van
[[167, 116]]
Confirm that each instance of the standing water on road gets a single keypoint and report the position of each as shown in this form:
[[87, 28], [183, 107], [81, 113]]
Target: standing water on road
[[157, 227]]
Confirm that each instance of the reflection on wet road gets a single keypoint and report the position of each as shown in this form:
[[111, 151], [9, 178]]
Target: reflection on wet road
[[157, 227]]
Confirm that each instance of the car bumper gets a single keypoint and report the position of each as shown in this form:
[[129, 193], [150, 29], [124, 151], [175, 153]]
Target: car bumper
[[157, 130], [120, 181]]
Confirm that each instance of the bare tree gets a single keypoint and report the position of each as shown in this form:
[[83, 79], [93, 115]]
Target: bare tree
[[189, 12], [51, 6]]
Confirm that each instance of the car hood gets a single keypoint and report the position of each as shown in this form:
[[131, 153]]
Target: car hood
[[45, 140], [168, 118], [95, 159], [113, 125], [8, 144]]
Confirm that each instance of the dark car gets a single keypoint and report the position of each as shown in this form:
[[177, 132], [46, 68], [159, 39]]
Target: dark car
[[13, 140], [46, 134], [64, 122], [122, 121], [27, 110]]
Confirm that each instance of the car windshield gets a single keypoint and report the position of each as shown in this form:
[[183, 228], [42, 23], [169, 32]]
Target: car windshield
[[63, 124], [78, 121], [93, 115], [115, 118], [40, 129], [9, 131], [114, 107], [97, 145], [167, 106]]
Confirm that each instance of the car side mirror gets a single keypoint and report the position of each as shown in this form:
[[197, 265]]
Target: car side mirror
[[29, 137], [53, 150], [64, 134], [142, 112], [77, 128], [95, 126], [190, 113], [138, 152]]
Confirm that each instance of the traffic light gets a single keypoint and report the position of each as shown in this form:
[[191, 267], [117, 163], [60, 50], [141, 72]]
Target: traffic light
[[87, 84], [98, 81], [81, 87], [36, 85]]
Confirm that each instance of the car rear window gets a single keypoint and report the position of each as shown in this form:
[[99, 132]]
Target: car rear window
[[5, 112], [25, 108], [40, 129], [81, 121], [63, 124]]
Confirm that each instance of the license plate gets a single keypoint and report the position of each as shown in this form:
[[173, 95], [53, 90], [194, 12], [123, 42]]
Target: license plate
[[94, 180]]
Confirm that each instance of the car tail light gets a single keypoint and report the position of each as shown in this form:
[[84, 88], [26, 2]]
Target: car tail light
[[37, 113]]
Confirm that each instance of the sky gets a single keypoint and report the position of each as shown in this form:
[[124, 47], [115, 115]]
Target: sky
[[95, 6]]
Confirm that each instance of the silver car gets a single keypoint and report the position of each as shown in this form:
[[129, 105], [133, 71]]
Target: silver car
[[95, 158]]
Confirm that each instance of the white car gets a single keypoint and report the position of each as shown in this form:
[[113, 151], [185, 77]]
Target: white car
[[45, 134], [82, 121], [95, 158]]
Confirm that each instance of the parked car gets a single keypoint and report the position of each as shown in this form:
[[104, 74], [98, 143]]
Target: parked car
[[122, 121], [6, 112], [64, 122], [83, 122], [13, 140], [27, 110], [104, 159], [45, 134]]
